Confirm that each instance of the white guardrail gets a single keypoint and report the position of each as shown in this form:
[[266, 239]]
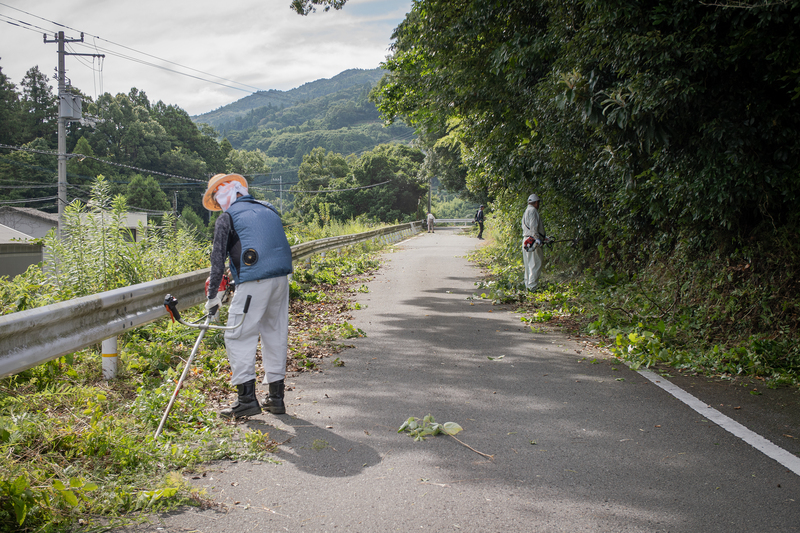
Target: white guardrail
[[30, 338], [464, 221]]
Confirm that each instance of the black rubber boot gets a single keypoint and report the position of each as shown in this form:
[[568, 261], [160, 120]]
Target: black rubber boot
[[246, 404], [274, 403]]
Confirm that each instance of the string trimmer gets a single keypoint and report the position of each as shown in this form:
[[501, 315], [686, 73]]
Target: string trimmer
[[171, 303]]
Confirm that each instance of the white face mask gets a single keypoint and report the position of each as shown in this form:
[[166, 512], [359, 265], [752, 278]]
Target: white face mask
[[226, 193]]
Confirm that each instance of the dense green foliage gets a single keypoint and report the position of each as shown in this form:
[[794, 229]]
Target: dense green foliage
[[664, 135], [649, 119], [95, 255], [383, 185], [450, 205]]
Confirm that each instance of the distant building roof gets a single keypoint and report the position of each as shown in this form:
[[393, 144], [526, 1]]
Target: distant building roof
[[52, 217], [12, 236]]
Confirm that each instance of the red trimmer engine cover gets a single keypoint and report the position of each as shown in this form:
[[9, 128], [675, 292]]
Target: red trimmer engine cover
[[223, 285]]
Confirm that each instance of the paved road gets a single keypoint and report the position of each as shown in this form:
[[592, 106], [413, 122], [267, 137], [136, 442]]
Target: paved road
[[578, 443]]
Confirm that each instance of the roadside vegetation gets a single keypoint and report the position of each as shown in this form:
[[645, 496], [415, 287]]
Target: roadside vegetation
[[77, 451], [95, 255], [729, 316]]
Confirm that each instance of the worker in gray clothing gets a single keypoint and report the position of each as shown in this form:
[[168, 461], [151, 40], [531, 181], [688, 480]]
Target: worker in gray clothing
[[533, 239]]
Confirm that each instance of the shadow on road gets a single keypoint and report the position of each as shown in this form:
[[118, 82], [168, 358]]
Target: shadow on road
[[315, 449]]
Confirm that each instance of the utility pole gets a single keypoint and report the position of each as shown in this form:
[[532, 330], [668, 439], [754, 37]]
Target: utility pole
[[69, 109]]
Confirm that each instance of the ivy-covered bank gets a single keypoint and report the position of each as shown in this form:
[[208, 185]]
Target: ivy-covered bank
[[702, 315]]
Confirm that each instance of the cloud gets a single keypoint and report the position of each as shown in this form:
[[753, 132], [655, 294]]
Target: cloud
[[260, 43]]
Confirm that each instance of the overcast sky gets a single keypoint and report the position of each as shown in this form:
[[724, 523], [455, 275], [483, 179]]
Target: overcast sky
[[246, 45]]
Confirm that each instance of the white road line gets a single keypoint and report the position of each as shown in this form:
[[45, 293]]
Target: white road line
[[789, 460]]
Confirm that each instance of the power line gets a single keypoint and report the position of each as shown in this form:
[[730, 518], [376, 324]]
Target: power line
[[22, 24], [53, 186], [84, 156], [130, 207], [350, 189], [30, 200], [130, 58], [165, 185]]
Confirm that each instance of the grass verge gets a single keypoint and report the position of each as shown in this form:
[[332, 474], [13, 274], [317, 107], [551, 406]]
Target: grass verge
[[79, 452]]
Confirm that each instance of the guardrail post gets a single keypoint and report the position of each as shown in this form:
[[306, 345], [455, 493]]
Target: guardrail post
[[110, 358]]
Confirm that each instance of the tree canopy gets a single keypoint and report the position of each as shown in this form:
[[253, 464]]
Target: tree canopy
[[641, 120], [383, 184], [131, 136], [304, 7]]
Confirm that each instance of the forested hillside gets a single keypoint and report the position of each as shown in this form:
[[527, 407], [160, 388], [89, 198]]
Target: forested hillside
[[160, 160], [334, 114], [307, 91]]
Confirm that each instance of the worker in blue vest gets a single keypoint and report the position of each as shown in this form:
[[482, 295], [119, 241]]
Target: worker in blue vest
[[250, 234]]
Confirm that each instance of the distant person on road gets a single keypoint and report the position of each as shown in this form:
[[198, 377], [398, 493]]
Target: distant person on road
[[431, 221], [533, 237], [479, 220], [251, 235]]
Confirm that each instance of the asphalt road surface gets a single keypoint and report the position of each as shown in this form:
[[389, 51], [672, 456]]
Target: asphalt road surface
[[578, 442]]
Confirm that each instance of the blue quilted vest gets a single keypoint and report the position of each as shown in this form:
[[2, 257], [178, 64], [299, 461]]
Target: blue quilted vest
[[265, 251]]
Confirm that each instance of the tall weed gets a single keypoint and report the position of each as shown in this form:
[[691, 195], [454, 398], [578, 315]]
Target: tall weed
[[97, 253]]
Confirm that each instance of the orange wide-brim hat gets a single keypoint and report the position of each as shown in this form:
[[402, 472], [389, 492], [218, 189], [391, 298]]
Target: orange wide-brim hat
[[209, 202]]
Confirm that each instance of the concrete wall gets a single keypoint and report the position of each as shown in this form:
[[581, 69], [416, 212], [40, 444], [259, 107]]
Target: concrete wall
[[130, 221], [16, 258]]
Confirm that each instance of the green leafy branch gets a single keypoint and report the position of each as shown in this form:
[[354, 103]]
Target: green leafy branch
[[419, 429]]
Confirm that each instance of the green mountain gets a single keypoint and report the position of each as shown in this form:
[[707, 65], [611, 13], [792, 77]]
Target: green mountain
[[335, 114], [275, 98]]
